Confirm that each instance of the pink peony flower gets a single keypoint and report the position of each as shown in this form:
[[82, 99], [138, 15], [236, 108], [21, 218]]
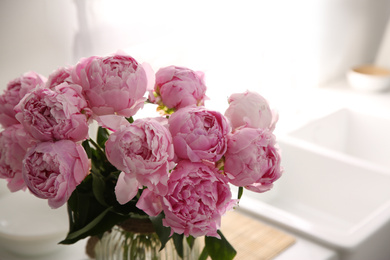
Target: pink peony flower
[[199, 134], [250, 109], [16, 90], [252, 159], [178, 87], [114, 84], [14, 142], [56, 114], [61, 75], [197, 198], [52, 170], [143, 151]]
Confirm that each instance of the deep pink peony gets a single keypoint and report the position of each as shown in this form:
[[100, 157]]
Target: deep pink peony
[[178, 87], [252, 159], [143, 151], [112, 85], [197, 198], [61, 75], [52, 170], [14, 142], [199, 134], [250, 109], [16, 90], [57, 114]]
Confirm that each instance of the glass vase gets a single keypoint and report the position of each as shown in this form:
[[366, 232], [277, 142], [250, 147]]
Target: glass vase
[[135, 239]]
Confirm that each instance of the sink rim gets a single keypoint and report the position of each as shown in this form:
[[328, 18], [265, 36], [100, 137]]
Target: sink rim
[[347, 240], [334, 154], [292, 135]]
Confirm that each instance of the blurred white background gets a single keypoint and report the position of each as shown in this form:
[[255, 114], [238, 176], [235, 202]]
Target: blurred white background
[[267, 46]]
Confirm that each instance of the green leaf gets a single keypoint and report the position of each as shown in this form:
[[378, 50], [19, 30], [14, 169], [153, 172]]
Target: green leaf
[[80, 203], [79, 233], [204, 254], [190, 241], [99, 188], [87, 148], [102, 136], [240, 192], [130, 119], [102, 223], [219, 249], [162, 232], [70, 216], [178, 242], [83, 208]]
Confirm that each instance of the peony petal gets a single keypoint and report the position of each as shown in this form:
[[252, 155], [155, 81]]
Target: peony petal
[[150, 75], [126, 188], [112, 122], [150, 203]]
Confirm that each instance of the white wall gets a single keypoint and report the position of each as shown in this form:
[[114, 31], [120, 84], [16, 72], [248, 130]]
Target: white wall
[[267, 46], [35, 35]]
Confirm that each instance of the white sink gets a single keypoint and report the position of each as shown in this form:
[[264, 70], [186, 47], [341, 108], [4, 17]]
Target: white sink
[[336, 185], [352, 133]]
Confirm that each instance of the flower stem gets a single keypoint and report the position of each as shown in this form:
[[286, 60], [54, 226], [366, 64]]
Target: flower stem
[[97, 146], [240, 192]]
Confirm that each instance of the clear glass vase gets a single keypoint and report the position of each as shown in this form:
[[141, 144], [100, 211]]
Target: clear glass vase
[[136, 240]]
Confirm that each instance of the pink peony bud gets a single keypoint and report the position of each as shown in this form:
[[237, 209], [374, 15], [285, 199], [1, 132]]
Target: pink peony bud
[[178, 87], [249, 109]]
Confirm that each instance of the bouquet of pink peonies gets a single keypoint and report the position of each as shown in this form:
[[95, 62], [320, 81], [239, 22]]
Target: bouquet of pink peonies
[[176, 169]]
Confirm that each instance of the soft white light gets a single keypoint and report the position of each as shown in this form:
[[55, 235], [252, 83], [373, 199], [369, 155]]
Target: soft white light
[[256, 45]]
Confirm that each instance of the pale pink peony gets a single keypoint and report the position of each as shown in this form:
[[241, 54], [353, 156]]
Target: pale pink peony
[[16, 90], [52, 170], [178, 87], [61, 75], [199, 134], [143, 151], [197, 198], [112, 85], [57, 114], [150, 203], [14, 142], [250, 109], [252, 159]]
